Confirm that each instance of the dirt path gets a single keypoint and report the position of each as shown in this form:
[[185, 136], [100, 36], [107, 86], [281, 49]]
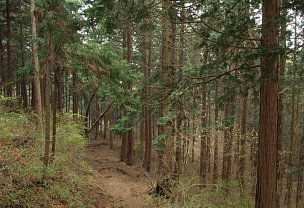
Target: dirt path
[[127, 186]]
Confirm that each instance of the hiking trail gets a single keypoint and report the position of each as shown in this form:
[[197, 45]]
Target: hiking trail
[[125, 186]]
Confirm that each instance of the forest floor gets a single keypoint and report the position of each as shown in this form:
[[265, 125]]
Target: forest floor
[[125, 186]]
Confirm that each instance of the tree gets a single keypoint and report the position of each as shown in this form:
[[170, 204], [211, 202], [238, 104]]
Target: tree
[[37, 87], [47, 102], [267, 152], [9, 50]]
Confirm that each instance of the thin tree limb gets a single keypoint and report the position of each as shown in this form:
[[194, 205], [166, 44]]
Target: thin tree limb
[[100, 117]]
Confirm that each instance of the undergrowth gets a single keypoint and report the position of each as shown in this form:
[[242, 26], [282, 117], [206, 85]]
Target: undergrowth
[[191, 193], [24, 182]]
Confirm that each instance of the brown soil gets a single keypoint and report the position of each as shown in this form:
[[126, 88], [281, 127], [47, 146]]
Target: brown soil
[[124, 186]]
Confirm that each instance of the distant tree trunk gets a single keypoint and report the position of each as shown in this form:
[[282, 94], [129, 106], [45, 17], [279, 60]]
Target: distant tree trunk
[[124, 138], [215, 164], [208, 115], [55, 99], [242, 162], [127, 147], [9, 91], [111, 132], [204, 148], [86, 123], [147, 110], [225, 173], [142, 135], [131, 141], [280, 158], [178, 153], [23, 80], [193, 136], [37, 88], [60, 89], [267, 156], [2, 63], [300, 182], [124, 147], [289, 182], [181, 60], [105, 127], [33, 97], [47, 104], [75, 94]]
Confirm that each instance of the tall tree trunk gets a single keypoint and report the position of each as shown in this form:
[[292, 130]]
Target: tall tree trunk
[[166, 73], [267, 156], [280, 158], [86, 123], [55, 100], [300, 182], [181, 60], [127, 147], [47, 104], [23, 79], [9, 91], [226, 170], [289, 182], [193, 136], [124, 147], [37, 87], [147, 110], [75, 94], [215, 156], [130, 136], [2, 63], [105, 127], [242, 162], [111, 132], [204, 148], [60, 88]]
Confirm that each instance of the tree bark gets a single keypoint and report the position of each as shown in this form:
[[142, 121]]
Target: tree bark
[[267, 155], [147, 110], [204, 148], [2, 64], [9, 79], [75, 94], [289, 183], [216, 111], [47, 104], [280, 158], [300, 183], [37, 87], [23, 79], [55, 99], [242, 161]]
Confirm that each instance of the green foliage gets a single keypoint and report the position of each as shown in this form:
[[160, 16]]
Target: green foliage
[[70, 136], [25, 182], [12, 126], [190, 193], [159, 141], [166, 119]]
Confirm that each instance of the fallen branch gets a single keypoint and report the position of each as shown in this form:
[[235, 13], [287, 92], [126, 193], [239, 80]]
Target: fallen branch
[[100, 117]]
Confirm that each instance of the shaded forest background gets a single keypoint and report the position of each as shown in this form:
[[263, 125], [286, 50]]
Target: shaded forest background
[[204, 94]]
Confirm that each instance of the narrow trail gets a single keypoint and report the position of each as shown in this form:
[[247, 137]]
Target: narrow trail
[[125, 185]]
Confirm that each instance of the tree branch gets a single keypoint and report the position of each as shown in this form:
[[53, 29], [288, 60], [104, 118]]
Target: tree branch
[[100, 117]]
